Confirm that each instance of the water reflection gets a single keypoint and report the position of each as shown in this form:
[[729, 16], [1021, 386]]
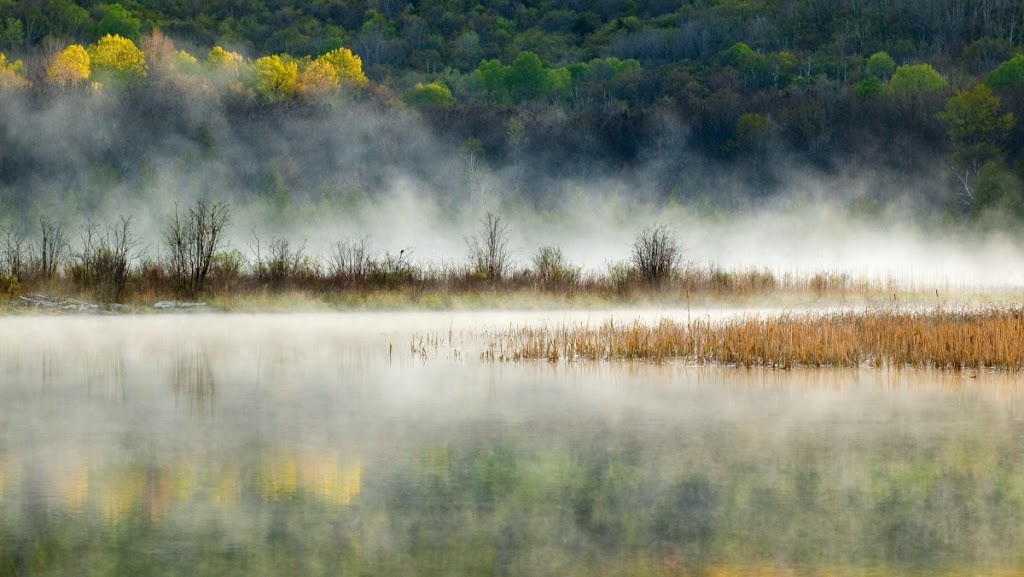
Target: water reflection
[[257, 446], [192, 378], [121, 490]]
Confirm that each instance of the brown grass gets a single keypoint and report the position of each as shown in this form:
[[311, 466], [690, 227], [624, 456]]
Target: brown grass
[[991, 338]]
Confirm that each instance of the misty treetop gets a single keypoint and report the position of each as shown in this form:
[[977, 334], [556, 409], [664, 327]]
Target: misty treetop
[[675, 94]]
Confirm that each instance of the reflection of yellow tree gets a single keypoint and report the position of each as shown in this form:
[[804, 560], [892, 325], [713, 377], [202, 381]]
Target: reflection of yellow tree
[[74, 490], [118, 495], [331, 481], [279, 478], [227, 490], [325, 477], [153, 491]]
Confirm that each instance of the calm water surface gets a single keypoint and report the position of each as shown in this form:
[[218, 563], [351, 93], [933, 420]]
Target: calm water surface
[[380, 444]]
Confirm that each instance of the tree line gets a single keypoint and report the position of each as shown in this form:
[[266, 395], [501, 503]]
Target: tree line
[[905, 87]]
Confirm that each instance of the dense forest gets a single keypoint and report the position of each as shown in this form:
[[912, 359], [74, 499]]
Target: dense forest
[[719, 102]]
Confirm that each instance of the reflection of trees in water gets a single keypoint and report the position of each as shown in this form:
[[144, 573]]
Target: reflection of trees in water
[[330, 479], [105, 373], [193, 378]]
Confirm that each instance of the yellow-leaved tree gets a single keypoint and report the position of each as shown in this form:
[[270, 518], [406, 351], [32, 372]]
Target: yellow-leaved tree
[[70, 68], [117, 58], [12, 74], [276, 77], [185, 59], [318, 77], [221, 59], [348, 65]]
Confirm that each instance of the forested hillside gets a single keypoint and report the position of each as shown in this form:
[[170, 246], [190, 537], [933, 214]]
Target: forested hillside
[[722, 102]]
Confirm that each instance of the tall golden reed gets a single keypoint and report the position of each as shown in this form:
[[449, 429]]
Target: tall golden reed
[[938, 338]]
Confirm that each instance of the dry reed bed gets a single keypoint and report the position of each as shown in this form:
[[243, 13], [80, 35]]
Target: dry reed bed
[[991, 338]]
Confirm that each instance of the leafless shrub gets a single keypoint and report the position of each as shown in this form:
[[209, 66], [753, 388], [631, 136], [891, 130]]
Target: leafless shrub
[[50, 251], [192, 240], [350, 261], [226, 270], [280, 264], [656, 254], [104, 263], [12, 253], [488, 251], [394, 270], [552, 269]]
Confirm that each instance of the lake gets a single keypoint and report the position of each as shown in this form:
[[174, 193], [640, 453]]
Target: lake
[[382, 444]]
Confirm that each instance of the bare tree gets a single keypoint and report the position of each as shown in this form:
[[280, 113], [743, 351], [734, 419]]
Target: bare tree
[[281, 264], [350, 260], [488, 251], [12, 253], [192, 240], [51, 250], [104, 263], [656, 254]]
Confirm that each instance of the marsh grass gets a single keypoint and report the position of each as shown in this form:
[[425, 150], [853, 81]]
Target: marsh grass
[[395, 279], [989, 338]]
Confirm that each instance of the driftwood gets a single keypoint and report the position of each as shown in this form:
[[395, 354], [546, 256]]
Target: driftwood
[[177, 305], [70, 305], [66, 304]]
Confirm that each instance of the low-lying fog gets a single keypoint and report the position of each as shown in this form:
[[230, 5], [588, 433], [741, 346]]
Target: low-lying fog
[[340, 440]]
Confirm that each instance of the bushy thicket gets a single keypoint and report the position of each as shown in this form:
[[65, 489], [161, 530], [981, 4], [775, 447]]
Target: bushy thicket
[[110, 263]]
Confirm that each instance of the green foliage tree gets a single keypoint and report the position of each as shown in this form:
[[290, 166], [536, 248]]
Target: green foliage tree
[[868, 88], [881, 66], [12, 33], [117, 58], [66, 18], [753, 132], [491, 75], [977, 132], [916, 81], [119, 22], [527, 79], [432, 95], [998, 195], [1009, 75], [736, 54]]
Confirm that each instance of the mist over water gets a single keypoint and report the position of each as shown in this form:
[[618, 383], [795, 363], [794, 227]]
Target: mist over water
[[242, 444], [323, 173]]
